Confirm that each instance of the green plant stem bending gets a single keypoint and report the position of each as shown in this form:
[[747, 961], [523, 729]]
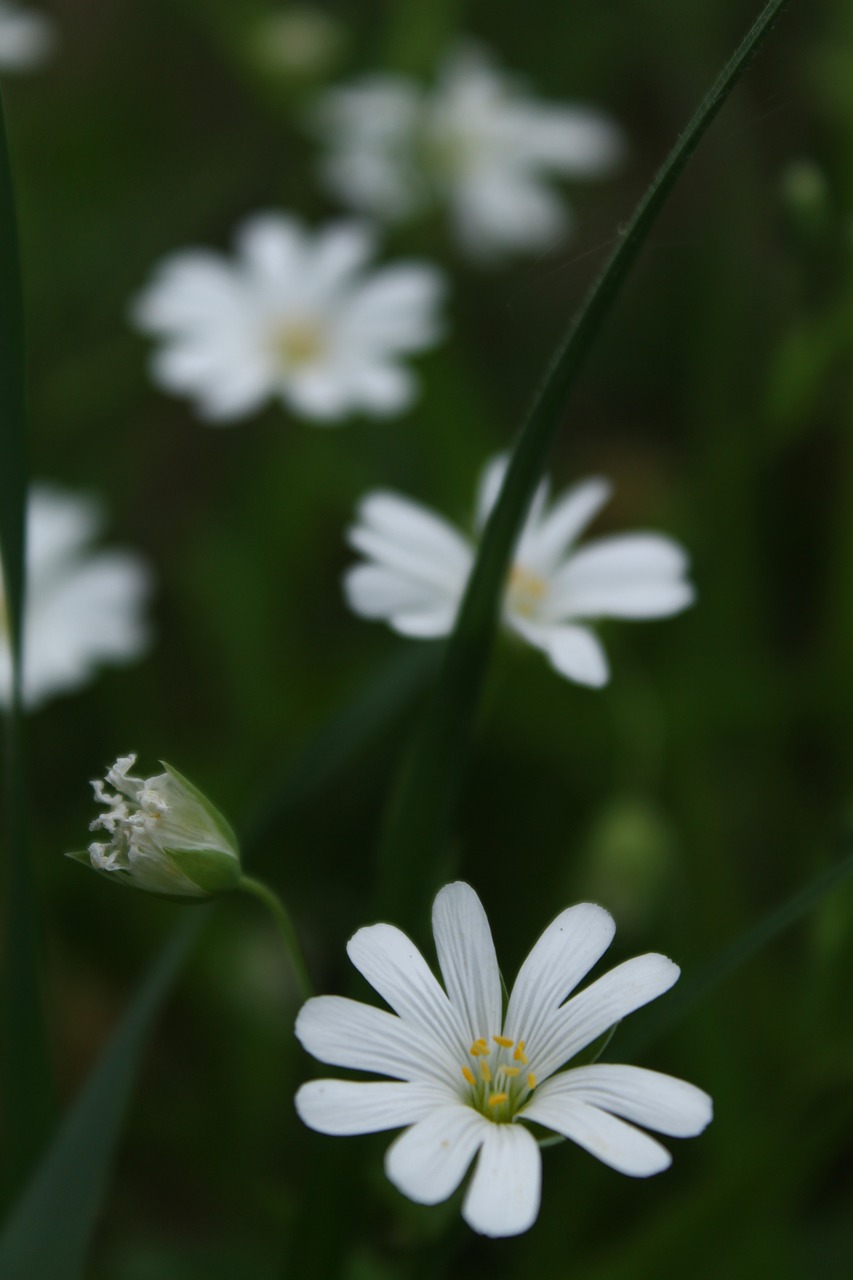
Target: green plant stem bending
[[271, 900]]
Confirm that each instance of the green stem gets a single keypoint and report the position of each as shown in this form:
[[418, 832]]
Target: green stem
[[291, 941], [422, 806]]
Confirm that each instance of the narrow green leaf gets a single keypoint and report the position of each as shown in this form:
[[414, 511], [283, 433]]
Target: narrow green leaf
[[26, 1071], [699, 985], [422, 806], [48, 1234]]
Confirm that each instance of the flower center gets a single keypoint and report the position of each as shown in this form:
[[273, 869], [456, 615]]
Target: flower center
[[297, 343], [525, 591], [498, 1079]]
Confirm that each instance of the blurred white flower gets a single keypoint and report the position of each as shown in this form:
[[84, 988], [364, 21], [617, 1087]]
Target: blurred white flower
[[83, 607], [418, 567], [164, 835], [465, 1077], [26, 37], [475, 142], [296, 316]]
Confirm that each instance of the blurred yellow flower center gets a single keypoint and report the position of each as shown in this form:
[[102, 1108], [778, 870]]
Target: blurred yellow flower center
[[497, 1080], [525, 591], [297, 343]]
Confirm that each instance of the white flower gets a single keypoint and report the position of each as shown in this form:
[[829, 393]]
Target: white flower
[[164, 835], [26, 38], [83, 607], [465, 1076], [475, 142], [419, 564], [296, 316]]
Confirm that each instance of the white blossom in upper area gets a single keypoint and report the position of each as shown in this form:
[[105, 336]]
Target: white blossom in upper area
[[475, 142], [418, 565], [465, 1077], [26, 37], [83, 607], [297, 316]]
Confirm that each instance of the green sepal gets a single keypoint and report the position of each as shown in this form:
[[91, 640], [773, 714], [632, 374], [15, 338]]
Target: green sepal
[[223, 827], [212, 870]]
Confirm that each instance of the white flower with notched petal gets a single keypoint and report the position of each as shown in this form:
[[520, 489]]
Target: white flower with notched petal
[[26, 38], [297, 317], [83, 607], [419, 564], [465, 1077], [476, 142]]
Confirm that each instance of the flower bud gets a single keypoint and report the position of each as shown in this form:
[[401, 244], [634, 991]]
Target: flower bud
[[164, 835]]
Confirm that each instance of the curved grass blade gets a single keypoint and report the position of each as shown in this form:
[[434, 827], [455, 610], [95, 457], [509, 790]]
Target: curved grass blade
[[423, 803], [26, 1071], [48, 1234]]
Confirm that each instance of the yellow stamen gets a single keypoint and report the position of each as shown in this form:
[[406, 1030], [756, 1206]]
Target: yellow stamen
[[509, 1071], [519, 1055], [531, 1080], [469, 1075], [503, 1041], [485, 1071], [478, 1047], [497, 1098]]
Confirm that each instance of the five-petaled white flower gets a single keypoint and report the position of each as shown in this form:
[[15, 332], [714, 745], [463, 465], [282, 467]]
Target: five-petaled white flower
[[296, 316], [83, 607], [465, 1076], [475, 142], [26, 37], [419, 564]]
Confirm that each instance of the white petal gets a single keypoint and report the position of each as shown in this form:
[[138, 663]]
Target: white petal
[[395, 310], [341, 250], [346, 1033], [428, 625], [649, 1098], [346, 1107], [273, 247], [632, 576], [466, 954], [375, 592], [577, 141], [566, 521], [620, 1145], [191, 290], [563, 955], [381, 389], [59, 525], [575, 652], [394, 967], [317, 394], [413, 540], [428, 1161], [595, 1009], [503, 1198], [489, 487]]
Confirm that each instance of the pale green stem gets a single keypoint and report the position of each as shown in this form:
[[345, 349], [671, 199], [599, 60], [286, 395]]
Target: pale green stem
[[282, 918]]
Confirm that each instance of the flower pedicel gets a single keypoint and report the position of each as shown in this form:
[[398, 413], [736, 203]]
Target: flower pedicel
[[466, 1077]]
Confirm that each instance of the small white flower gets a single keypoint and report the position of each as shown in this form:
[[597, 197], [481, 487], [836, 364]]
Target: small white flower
[[164, 835], [465, 1076], [26, 37], [83, 607], [475, 142], [297, 316], [419, 564]]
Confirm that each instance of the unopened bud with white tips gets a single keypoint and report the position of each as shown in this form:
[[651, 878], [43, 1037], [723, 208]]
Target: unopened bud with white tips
[[164, 835]]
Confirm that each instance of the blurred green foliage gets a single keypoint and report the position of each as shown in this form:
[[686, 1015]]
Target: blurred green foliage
[[708, 782]]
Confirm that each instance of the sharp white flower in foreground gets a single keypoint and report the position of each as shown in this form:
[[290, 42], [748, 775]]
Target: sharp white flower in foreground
[[465, 1077], [296, 316], [83, 607], [418, 566], [26, 37], [476, 143], [164, 835]]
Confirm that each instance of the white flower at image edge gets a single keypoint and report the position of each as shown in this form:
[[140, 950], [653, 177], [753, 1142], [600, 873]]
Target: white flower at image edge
[[417, 567], [26, 37], [296, 316], [465, 1077], [476, 141], [83, 607]]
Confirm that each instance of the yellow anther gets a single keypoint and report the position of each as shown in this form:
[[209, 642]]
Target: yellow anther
[[519, 1055], [469, 1075], [531, 1080], [503, 1041], [497, 1098], [478, 1047], [508, 1071], [485, 1071]]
